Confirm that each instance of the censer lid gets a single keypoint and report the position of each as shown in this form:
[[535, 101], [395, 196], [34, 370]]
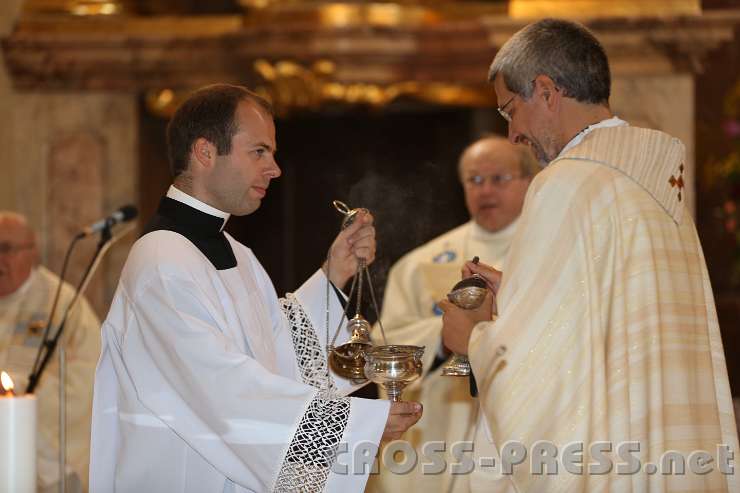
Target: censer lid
[[470, 292], [474, 281]]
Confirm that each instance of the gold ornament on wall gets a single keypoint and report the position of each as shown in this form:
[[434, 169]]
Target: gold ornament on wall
[[519, 9], [82, 8], [291, 86]]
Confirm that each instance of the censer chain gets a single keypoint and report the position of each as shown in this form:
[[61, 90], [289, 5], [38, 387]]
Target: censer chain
[[375, 303], [345, 315]]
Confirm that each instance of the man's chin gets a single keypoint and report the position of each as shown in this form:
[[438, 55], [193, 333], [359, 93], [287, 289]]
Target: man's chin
[[489, 225], [539, 154], [247, 209]]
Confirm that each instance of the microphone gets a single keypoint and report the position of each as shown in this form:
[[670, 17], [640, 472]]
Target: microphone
[[122, 215]]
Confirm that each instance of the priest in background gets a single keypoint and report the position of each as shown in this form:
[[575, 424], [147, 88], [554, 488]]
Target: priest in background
[[606, 318], [207, 382], [27, 292], [494, 175]]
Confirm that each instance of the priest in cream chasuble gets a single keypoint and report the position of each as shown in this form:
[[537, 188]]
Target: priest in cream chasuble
[[606, 350], [608, 318]]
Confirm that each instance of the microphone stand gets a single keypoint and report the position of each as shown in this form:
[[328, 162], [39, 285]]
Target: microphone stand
[[62, 420], [49, 345]]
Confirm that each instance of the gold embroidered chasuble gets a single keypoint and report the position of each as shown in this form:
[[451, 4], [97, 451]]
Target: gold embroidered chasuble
[[608, 318]]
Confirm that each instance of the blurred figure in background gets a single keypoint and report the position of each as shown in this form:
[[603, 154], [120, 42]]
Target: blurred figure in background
[[495, 175], [26, 296]]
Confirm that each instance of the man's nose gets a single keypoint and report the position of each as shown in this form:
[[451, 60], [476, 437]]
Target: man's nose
[[274, 171], [514, 137], [489, 186]]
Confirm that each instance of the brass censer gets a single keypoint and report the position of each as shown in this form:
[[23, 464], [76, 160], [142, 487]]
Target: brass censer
[[358, 359]]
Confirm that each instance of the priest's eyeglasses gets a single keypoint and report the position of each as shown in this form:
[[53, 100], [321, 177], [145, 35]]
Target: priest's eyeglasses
[[498, 181], [501, 111], [10, 249]]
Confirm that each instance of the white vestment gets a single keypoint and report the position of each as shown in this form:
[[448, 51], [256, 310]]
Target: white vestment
[[410, 315], [204, 384], [608, 318], [23, 316]]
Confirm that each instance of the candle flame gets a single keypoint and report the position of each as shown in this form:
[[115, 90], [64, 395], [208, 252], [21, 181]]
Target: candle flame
[[7, 382]]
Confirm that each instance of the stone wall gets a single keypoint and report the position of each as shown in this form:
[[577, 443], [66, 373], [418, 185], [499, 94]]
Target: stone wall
[[69, 160]]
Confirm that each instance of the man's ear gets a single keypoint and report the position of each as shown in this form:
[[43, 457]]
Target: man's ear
[[203, 152], [547, 89]]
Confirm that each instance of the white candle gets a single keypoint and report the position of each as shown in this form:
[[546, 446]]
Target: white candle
[[17, 443]]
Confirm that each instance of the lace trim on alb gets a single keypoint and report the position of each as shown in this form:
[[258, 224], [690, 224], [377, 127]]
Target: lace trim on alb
[[314, 447], [313, 450], [310, 357]]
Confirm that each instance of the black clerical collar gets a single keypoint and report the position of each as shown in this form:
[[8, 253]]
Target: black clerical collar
[[201, 229], [189, 219], [180, 196]]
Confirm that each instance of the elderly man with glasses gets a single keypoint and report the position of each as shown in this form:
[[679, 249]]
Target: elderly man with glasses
[[495, 175], [26, 297]]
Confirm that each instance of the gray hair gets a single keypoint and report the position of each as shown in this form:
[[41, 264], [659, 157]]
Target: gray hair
[[563, 50]]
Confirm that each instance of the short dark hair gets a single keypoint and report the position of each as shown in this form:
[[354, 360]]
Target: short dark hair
[[207, 113], [563, 50]]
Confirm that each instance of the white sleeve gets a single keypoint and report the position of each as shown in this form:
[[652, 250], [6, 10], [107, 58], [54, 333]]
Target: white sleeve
[[257, 428]]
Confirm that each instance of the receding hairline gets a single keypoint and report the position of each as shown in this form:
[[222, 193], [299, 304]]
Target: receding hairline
[[258, 102], [244, 93], [263, 111], [496, 140], [11, 218]]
